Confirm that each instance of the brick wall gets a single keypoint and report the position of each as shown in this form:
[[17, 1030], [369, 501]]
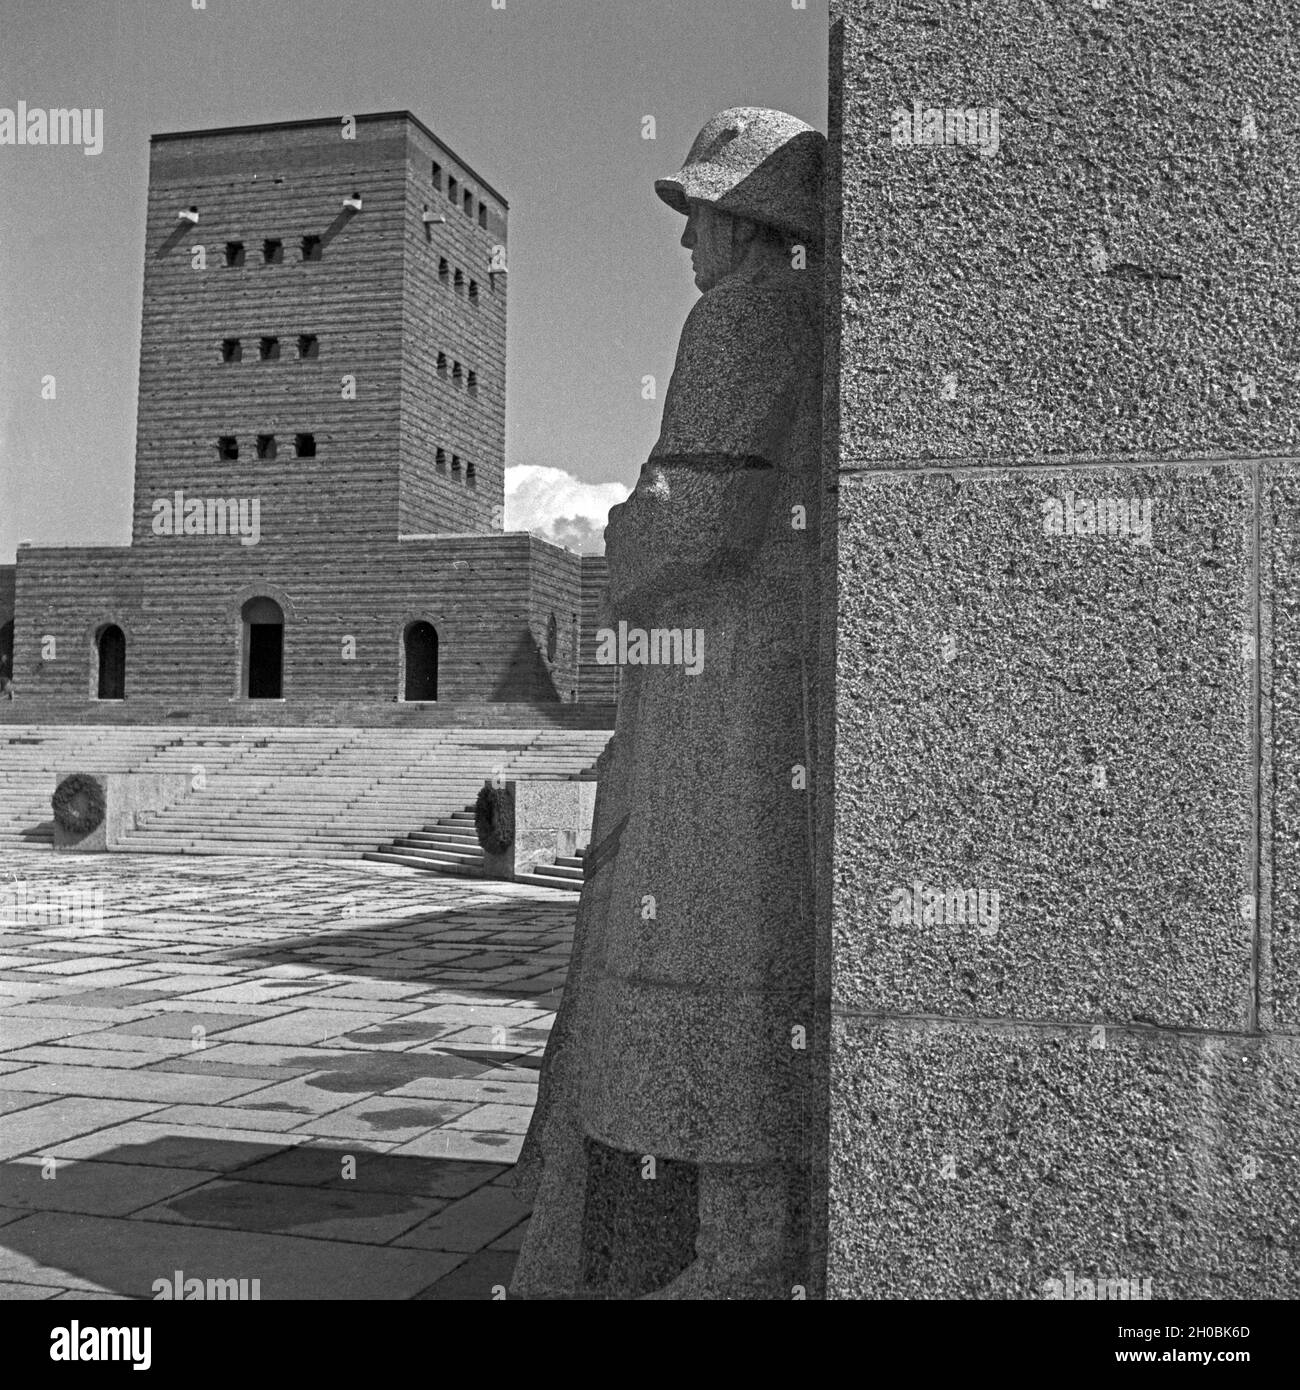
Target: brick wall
[[488, 597], [442, 316], [598, 684]]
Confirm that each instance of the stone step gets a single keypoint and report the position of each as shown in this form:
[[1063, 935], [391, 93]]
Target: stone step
[[538, 881], [412, 861], [310, 791], [444, 854], [257, 848], [559, 871]]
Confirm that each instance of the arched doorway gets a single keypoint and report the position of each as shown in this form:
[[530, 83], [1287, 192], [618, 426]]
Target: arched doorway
[[110, 648], [421, 644], [6, 652], [263, 649]]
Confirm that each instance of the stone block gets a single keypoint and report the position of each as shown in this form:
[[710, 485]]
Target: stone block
[[125, 795], [551, 818], [1280, 747], [1055, 732], [1111, 274], [983, 1161]]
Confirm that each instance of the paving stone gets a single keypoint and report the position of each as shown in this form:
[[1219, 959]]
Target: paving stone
[[18, 1033], [127, 1256], [145, 1045], [182, 1024], [382, 1118], [499, 1119], [92, 1296], [232, 1117], [12, 990], [486, 1015], [165, 1088], [513, 1238], [104, 979], [80, 966], [67, 1055], [181, 1004], [123, 997], [193, 1064], [472, 1145], [287, 1059], [337, 1213], [397, 1035], [250, 992], [91, 1020], [174, 1146], [484, 1275], [471, 1223], [20, 1100], [45, 1128], [371, 989], [385, 1008], [99, 1188], [297, 1096], [524, 1037], [317, 1165], [482, 1091], [308, 1027]]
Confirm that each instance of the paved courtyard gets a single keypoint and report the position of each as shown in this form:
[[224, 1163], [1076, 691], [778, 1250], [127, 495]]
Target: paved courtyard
[[313, 1074]]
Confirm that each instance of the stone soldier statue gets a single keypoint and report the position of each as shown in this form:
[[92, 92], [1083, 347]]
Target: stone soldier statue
[[668, 1154]]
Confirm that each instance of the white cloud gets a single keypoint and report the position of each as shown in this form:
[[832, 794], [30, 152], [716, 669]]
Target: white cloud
[[560, 508]]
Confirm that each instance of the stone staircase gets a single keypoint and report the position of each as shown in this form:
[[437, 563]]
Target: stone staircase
[[320, 793], [450, 846], [32, 757]]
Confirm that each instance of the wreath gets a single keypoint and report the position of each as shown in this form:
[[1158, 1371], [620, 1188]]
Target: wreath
[[494, 818], [78, 803]]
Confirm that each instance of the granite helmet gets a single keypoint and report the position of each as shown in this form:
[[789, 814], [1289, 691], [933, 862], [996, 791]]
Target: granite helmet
[[755, 163]]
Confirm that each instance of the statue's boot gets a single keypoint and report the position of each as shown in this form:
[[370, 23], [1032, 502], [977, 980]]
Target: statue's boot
[[739, 1251]]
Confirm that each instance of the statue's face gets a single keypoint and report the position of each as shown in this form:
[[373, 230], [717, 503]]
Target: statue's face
[[710, 237]]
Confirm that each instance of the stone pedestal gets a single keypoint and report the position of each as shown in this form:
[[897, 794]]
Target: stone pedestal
[[125, 794], [551, 819], [1064, 1040]]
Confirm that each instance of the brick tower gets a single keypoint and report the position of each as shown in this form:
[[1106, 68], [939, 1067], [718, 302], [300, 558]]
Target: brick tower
[[337, 348]]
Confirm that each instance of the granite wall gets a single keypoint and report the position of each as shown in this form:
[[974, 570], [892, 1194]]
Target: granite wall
[[1060, 942]]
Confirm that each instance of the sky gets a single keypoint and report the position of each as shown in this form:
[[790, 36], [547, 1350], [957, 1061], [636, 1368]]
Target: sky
[[546, 98]]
